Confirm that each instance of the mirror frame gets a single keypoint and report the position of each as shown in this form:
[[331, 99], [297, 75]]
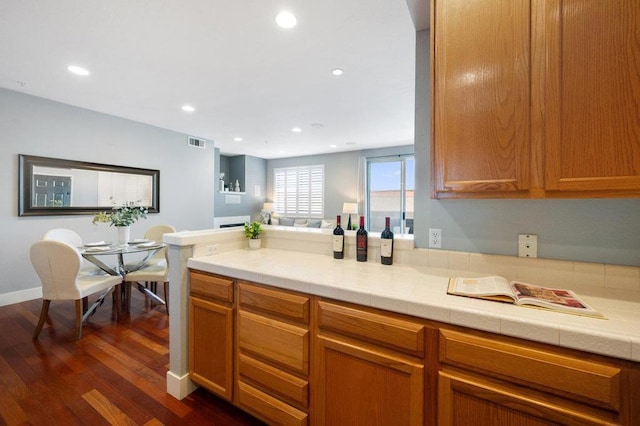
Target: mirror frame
[[25, 185]]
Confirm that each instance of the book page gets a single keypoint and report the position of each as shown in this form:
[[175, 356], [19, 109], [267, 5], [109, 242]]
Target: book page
[[485, 286], [558, 299]]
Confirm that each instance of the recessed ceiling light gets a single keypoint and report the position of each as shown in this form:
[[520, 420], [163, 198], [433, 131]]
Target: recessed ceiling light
[[337, 71], [333, 146], [188, 108], [296, 130], [281, 152], [237, 139], [286, 20], [78, 70]]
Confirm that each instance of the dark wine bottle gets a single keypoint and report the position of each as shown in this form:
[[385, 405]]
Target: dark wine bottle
[[386, 244], [338, 240], [361, 242]]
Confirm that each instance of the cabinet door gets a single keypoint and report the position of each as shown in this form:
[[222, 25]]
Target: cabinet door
[[211, 346], [358, 385], [593, 97], [469, 400], [481, 98]]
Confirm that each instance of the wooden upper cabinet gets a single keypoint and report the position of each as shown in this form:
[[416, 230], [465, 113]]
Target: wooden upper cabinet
[[535, 98], [480, 97], [593, 97]]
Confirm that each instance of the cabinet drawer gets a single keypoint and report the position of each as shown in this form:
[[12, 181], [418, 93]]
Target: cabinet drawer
[[268, 408], [565, 375], [211, 286], [285, 385], [385, 330], [275, 302], [275, 341]]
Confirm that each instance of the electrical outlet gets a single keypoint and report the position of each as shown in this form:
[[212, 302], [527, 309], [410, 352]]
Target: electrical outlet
[[211, 250], [435, 238], [527, 245]]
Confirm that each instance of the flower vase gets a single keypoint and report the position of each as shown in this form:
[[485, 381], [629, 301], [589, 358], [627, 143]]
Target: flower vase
[[254, 243], [124, 232]]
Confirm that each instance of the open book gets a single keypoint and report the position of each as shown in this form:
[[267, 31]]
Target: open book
[[499, 289]]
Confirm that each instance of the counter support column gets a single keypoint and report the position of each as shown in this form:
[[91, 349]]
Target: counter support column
[[178, 383]]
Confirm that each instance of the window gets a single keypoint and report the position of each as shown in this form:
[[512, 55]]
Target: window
[[390, 188], [299, 191]]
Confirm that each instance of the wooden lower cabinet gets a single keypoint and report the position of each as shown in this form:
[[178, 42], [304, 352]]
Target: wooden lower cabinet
[[369, 367], [359, 384], [295, 359], [488, 380], [272, 354], [211, 334]]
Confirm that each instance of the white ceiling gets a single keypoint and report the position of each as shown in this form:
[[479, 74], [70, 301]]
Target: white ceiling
[[245, 76]]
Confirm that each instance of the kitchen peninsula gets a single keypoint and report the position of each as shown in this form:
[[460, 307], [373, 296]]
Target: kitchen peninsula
[[396, 324]]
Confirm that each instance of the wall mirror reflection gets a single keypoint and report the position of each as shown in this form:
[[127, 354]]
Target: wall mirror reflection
[[52, 186]]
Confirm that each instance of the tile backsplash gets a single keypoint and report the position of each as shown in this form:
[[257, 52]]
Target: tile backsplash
[[545, 272]]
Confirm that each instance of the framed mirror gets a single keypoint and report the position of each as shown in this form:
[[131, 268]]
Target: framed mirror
[[53, 186]]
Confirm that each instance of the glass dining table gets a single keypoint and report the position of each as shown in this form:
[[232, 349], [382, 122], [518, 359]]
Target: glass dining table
[[138, 255]]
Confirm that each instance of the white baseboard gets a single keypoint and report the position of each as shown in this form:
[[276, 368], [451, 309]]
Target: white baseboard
[[20, 296], [179, 387]]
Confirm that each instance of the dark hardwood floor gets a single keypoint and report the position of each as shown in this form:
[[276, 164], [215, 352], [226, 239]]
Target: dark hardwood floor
[[116, 374]]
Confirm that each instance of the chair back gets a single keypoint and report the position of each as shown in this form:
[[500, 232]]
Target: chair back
[[65, 235], [155, 233], [57, 264]]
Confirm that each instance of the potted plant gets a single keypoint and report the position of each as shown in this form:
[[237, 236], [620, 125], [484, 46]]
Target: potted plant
[[122, 217], [252, 231]]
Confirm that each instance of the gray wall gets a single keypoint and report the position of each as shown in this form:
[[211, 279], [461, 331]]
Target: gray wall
[[340, 177], [341, 174], [591, 230], [252, 175], [35, 126]]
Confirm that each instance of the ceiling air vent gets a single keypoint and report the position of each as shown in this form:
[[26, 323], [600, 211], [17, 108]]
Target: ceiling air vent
[[197, 142]]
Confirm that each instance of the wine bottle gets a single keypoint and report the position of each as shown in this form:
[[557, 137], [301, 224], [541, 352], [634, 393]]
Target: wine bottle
[[338, 240], [361, 242], [386, 244]]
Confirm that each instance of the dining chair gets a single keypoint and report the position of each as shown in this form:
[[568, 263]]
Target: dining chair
[[73, 239], [157, 269], [58, 267]]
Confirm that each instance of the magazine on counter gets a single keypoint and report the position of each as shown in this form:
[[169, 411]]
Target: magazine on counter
[[519, 293]]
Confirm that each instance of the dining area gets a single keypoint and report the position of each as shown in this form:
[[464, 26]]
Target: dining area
[[72, 270]]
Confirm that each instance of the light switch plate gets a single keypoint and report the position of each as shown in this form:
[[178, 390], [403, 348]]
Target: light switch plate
[[527, 245]]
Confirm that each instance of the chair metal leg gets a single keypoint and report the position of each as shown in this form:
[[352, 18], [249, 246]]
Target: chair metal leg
[[117, 296], [43, 315], [166, 295], [78, 319]]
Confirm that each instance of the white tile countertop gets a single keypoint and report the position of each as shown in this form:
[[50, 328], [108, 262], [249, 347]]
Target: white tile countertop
[[419, 291]]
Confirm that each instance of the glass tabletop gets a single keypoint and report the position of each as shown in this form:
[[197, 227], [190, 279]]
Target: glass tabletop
[[120, 249]]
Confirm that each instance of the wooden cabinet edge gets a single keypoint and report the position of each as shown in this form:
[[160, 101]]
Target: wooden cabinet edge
[[211, 286], [268, 408], [372, 325], [282, 304], [522, 399]]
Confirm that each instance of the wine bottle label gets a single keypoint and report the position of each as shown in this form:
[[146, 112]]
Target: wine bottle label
[[386, 246], [338, 241], [361, 242]]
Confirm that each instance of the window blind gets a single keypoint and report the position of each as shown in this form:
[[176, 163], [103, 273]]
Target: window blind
[[299, 191]]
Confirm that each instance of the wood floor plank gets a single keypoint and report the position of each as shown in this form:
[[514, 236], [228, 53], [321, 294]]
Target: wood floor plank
[[10, 411], [109, 411], [144, 341], [10, 381]]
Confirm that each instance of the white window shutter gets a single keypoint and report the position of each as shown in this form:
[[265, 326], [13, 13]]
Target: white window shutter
[[299, 191]]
